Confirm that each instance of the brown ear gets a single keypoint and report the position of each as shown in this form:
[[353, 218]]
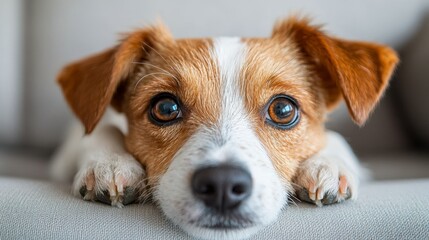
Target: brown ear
[[358, 71], [89, 85]]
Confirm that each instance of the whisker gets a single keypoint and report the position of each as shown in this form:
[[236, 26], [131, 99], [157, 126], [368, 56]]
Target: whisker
[[157, 67], [148, 75], [147, 45], [161, 69], [293, 202], [295, 198]]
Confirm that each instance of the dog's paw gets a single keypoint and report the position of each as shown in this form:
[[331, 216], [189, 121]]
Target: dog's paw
[[112, 178], [324, 180]]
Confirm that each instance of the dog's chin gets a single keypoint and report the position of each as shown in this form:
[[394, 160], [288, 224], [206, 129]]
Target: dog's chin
[[231, 226], [221, 231]]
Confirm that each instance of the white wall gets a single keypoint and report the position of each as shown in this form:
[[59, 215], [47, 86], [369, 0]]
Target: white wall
[[11, 68]]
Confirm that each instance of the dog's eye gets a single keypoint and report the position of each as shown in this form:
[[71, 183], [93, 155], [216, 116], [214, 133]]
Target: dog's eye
[[164, 109], [282, 112]]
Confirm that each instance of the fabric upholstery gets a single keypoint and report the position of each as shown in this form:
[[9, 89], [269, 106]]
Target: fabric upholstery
[[412, 84], [383, 132], [41, 210], [24, 164]]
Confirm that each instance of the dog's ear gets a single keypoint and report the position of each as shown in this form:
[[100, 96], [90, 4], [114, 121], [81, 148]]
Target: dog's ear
[[357, 71], [91, 84]]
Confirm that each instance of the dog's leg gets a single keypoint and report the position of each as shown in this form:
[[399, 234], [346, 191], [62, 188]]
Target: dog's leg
[[105, 170], [330, 176]]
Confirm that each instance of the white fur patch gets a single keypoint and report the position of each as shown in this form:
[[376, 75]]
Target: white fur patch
[[230, 140]]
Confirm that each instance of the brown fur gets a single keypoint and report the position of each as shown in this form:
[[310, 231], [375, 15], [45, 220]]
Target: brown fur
[[89, 85], [359, 71], [194, 83], [298, 60]]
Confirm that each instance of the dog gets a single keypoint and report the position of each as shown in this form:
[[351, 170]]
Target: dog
[[219, 132]]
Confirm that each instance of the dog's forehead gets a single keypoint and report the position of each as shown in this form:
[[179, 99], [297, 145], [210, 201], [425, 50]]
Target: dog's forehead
[[256, 61], [210, 71], [259, 67]]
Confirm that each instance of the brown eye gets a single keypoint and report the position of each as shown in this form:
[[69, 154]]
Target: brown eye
[[282, 112], [165, 109]]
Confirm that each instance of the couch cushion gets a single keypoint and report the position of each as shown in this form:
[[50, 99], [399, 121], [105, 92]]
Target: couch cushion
[[412, 85], [24, 164], [40, 210], [396, 165], [382, 133]]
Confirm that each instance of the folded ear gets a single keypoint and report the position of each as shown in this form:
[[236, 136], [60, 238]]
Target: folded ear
[[357, 71], [89, 85]]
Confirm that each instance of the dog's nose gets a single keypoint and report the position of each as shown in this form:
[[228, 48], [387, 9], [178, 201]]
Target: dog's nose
[[222, 187]]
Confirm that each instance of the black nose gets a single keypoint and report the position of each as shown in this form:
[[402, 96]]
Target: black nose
[[222, 187]]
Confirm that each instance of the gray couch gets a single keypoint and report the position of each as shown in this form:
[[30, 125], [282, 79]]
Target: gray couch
[[38, 37]]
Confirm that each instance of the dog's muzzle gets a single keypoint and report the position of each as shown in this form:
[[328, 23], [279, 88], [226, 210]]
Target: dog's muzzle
[[222, 188]]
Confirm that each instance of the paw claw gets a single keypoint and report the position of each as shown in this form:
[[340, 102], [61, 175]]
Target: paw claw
[[344, 196], [343, 185], [116, 201], [323, 183], [116, 180], [318, 203], [87, 195], [128, 196], [320, 194]]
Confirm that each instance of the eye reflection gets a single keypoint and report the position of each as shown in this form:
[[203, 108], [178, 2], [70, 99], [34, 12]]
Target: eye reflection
[[282, 112], [164, 109]]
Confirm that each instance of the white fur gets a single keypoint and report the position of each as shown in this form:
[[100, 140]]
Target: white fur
[[230, 140]]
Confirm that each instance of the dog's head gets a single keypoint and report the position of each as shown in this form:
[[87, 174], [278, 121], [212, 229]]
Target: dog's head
[[222, 124]]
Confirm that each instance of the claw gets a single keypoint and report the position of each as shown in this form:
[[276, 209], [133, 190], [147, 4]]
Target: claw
[[312, 191], [320, 193], [88, 195], [343, 185], [320, 197], [116, 201]]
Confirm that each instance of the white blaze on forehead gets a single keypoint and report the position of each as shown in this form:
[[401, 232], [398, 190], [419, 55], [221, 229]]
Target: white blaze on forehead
[[230, 53]]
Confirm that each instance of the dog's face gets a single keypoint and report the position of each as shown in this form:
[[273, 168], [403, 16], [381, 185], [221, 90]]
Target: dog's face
[[222, 124]]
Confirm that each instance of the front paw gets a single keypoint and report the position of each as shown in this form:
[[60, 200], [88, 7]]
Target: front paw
[[324, 180], [112, 178]]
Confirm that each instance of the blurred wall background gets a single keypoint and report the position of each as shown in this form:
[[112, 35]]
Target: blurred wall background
[[38, 37], [11, 70]]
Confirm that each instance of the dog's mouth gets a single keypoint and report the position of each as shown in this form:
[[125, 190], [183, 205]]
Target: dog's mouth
[[231, 221], [226, 226]]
